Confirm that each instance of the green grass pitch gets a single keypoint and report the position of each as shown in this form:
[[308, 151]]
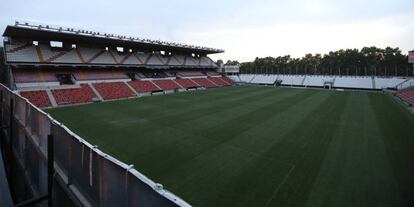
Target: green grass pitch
[[261, 146]]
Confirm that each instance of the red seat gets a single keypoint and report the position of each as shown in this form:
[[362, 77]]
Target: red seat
[[116, 90], [204, 82], [218, 81], [38, 98], [228, 80], [143, 86], [84, 94], [406, 95], [166, 84], [186, 83]]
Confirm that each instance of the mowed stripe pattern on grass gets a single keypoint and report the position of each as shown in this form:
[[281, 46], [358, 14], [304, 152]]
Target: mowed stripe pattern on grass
[[261, 146]]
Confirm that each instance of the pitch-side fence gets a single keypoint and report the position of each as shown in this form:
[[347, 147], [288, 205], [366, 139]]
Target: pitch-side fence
[[49, 165]]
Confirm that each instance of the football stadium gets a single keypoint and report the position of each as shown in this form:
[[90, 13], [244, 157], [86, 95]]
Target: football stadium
[[93, 118]]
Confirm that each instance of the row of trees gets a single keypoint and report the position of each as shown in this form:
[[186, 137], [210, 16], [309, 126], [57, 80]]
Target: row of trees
[[368, 61]]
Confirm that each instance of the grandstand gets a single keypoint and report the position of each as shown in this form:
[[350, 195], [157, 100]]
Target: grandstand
[[341, 82], [92, 70], [400, 86], [53, 66]]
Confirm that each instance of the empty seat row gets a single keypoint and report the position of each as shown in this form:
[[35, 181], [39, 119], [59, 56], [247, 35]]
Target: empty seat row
[[187, 83], [228, 80], [99, 75], [166, 84], [406, 95], [84, 94], [218, 81], [38, 98], [143, 86], [204, 82], [358, 82], [116, 90], [190, 73], [43, 53], [31, 76], [354, 82]]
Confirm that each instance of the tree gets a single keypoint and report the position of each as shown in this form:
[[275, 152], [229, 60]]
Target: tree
[[368, 61]]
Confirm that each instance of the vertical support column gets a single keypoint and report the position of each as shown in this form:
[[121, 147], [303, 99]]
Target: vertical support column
[[50, 168]]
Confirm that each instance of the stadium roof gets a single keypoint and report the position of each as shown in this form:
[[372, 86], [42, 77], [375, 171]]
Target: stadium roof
[[57, 33]]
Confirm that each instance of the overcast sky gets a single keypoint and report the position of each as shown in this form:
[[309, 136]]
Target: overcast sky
[[245, 29]]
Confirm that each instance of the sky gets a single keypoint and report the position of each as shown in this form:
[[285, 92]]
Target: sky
[[244, 29]]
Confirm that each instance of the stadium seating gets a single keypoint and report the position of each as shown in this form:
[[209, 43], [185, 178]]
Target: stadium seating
[[99, 75], [140, 75], [166, 84], [38, 98], [57, 55], [21, 51], [234, 78], [406, 95], [170, 74], [381, 83], [190, 73], [295, 80], [264, 79], [174, 61], [15, 46], [205, 61], [246, 78], [70, 56], [406, 84], [95, 55], [212, 73], [143, 86], [218, 81], [142, 57], [353, 82], [29, 76], [115, 90], [124, 58], [84, 94], [187, 83], [155, 59], [191, 61], [204, 82], [317, 80], [228, 80]]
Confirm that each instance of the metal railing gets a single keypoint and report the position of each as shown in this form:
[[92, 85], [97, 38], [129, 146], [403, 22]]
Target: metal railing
[[49, 156]]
